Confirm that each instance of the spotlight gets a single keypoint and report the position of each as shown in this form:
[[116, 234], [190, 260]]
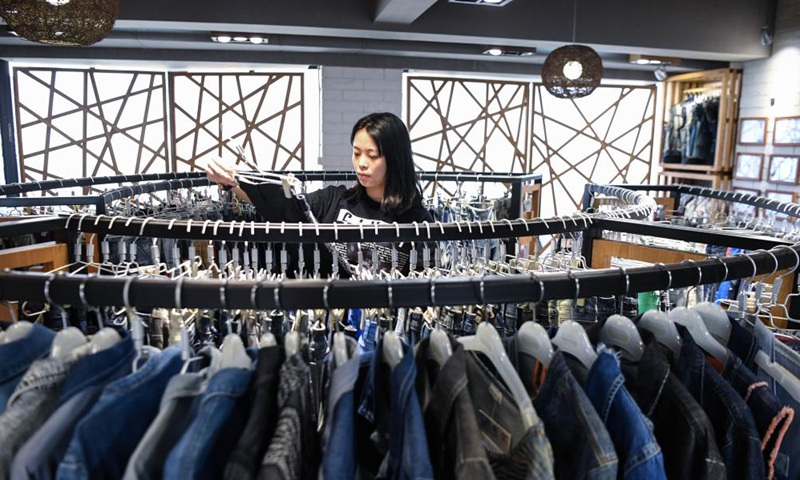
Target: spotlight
[[495, 52], [660, 73], [223, 38], [256, 40], [766, 36]]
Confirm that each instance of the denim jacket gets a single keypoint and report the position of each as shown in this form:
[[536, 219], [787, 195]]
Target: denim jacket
[[17, 356], [390, 418], [639, 455], [734, 427]]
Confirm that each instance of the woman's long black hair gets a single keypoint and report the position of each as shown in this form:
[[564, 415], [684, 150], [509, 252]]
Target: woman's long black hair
[[402, 191]]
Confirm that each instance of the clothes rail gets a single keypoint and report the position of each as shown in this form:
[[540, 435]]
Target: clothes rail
[[640, 206], [789, 208], [24, 187], [159, 292]]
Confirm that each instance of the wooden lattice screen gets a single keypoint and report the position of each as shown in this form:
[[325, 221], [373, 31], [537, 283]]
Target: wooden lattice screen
[[87, 122], [213, 113]]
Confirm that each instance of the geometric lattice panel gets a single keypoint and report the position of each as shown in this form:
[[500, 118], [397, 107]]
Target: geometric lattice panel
[[606, 137], [459, 124], [86, 122], [263, 113]]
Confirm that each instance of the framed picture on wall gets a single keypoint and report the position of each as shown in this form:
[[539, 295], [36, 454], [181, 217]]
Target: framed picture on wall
[[742, 209], [753, 131], [783, 169], [779, 197], [748, 166], [787, 131]]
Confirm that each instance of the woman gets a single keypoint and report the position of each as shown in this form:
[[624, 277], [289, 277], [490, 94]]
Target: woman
[[387, 191]]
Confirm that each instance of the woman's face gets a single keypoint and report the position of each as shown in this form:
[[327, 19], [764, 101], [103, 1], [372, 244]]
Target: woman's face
[[368, 164]]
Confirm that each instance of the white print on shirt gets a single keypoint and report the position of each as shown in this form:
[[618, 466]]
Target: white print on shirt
[[384, 250]]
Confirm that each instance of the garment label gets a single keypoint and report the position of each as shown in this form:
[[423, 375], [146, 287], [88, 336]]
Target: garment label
[[495, 438]]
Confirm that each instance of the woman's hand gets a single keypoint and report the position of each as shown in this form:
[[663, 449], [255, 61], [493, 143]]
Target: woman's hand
[[219, 171]]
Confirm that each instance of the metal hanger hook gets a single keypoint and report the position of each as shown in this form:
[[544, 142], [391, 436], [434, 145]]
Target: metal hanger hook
[[277, 294], [699, 270], [774, 258], [627, 279], [725, 265], [82, 291], [577, 284], [179, 293], [126, 291], [753, 262], [669, 275], [389, 294], [433, 292], [796, 256], [325, 294]]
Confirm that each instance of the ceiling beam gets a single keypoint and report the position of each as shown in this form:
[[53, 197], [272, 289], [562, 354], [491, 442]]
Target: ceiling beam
[[400, 11]]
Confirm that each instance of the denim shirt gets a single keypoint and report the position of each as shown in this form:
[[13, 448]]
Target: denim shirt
[[581, 444], [40, 456], [17, 356], [204, 448], [639, 455], [340, 453], [682, 428], [107, 436], [734, 427], [787, 462], [773, 417], [514, 451], [176, 412], [292, 452], [30, 405], [450, 423], [252, 445], [390, 427]]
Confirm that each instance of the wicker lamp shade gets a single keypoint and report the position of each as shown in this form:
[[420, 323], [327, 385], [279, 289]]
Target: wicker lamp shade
[[61, 22], [572, 71]]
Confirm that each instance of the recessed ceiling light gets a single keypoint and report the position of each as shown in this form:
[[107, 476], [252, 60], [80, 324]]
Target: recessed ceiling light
[[640, 59], [239, 39], [485, 3], [223, 38], [495, 52], [256, 40]]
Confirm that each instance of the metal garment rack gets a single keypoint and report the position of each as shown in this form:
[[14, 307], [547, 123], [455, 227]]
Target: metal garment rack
[[788, 208], [153, 292], [9, 192]]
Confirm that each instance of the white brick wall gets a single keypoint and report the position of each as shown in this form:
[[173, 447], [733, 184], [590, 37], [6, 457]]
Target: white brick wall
[[347, 95], [778, 78]]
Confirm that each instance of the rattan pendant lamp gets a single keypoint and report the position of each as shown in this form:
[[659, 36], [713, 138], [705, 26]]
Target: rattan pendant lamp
[[61, 22], [572, 71]]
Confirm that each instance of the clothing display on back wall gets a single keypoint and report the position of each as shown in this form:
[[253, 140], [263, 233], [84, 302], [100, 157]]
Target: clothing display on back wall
[[690, 131]]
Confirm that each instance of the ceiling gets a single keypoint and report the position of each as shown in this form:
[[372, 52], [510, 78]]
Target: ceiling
[[424, 34]]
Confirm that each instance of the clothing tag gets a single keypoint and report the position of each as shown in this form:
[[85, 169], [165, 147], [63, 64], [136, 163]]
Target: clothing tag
[[495, 438], [496, 393]]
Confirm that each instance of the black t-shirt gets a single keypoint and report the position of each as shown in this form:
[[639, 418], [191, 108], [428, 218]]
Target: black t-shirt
[[329, 205]]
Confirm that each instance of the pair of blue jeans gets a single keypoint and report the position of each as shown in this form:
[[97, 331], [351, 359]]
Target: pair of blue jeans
[[17, 356], [107, 436]]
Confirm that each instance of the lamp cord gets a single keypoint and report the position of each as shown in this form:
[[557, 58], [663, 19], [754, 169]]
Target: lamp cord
[[574, 20]]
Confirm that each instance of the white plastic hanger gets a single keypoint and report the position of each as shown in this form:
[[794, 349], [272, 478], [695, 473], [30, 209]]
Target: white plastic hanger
[[292, 343], [714, 316], [17, 331], [659, 324], [104, 339], [532, 339], [571, 337], [697, 328], [440, 346], [619, 331], [392, 352], [66, 341], [234, 354], [487, 341], [783, 377]]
